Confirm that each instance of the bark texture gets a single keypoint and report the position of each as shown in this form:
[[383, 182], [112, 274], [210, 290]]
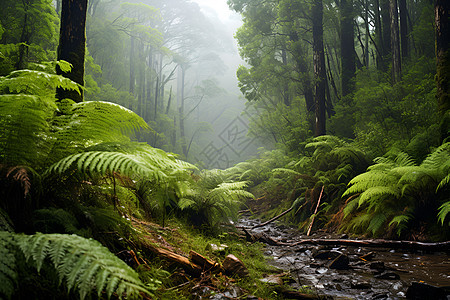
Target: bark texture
[[347, 47], [72, 45], [395, 42], [319, 68]]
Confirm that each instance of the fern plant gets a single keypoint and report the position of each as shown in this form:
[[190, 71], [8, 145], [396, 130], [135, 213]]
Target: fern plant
[[211, 200], [82, 264], [395, 191]]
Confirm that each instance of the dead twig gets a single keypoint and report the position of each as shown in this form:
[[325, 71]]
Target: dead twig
[[315, 212]]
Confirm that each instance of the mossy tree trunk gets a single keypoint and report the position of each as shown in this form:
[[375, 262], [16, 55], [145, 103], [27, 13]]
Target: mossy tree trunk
[[72, 45], [442, 18]]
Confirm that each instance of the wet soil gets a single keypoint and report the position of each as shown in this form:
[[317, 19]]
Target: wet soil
[[383, 274]]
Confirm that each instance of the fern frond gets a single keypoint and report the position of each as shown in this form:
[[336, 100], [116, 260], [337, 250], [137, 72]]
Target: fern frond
[[376, 222], [404, 160], [444, 182], [84, 264], [102, 163], [284, 171], [444, 210], [439, 158], [378, 193], [24, 128], [350, 207], [33, 82], [370, 179], [400, 222]]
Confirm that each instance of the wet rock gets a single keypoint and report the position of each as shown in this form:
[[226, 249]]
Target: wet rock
[[340, 263], [388, 276], [327, 254], [380, 296], [234, 266], [361, 285], [420, 290]]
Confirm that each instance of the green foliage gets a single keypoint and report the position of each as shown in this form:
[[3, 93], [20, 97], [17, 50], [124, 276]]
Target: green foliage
[[211, 199], [400, 191], [82, 264]]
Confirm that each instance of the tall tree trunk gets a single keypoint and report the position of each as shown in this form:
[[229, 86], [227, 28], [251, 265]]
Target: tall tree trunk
[[395, 43], [367, 36], [181, 113], [386, 32], [348, 60], [132, 72], [149, 85], [379, 35], [442, 19], [72, 45], [319, 68], [403, 28]]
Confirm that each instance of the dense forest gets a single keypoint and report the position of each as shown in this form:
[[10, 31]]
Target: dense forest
[[125, 143]]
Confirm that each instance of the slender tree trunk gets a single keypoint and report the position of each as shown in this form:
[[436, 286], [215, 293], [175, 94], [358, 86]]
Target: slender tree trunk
[[442, 19], [379, 35], [367, 37], [348, 60], [404, 28], [149, 85], [72, 44], [132, 72], [181, 113], [395, 43], [169, 101], [319, 68], [386, 32]]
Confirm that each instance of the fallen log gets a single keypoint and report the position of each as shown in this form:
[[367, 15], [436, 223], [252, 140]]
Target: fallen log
[[190, 267], [377, 243]]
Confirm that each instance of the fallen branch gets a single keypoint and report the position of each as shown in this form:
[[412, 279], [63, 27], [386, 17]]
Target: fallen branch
[[378, 243], [315, 212], [441, 246], [273, 219]]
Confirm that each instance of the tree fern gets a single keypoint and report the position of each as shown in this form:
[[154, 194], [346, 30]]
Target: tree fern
[[83, 264]]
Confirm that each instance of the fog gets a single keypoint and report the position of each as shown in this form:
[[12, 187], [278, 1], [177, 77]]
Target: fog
[[177, 59]]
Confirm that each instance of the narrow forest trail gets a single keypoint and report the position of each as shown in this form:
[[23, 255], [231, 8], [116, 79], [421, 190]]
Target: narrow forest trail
[[360, 273]]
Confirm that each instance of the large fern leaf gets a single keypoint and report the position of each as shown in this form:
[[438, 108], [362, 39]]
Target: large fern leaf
[[83, 264], [24, 128]]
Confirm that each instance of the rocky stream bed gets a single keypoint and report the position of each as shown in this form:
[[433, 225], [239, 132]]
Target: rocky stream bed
[[351, 272]]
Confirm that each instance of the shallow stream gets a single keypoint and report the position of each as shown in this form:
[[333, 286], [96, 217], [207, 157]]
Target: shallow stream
[[384, 274]]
